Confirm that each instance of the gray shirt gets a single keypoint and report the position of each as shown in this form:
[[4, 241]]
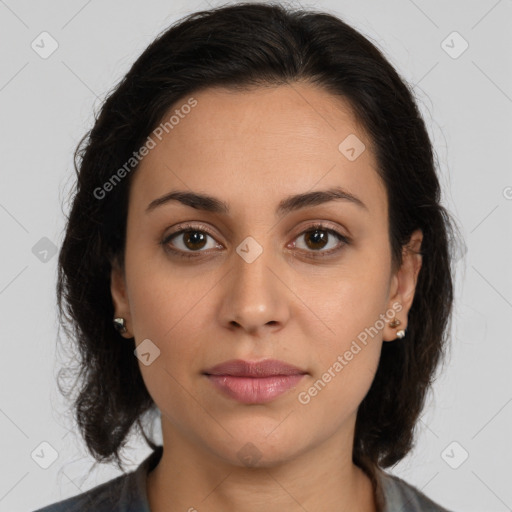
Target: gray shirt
[[127, 493]]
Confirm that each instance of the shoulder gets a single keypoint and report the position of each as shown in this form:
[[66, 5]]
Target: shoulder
[[102, 498], [400, 495], [125, 493]]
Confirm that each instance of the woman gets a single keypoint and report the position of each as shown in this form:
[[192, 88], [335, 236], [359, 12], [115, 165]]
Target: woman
[[257, 255]]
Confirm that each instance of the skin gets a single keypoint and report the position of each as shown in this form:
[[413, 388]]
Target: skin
[[251, 150]]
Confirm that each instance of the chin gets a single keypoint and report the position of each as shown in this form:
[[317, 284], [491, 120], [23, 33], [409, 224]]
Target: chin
[[259, 449]]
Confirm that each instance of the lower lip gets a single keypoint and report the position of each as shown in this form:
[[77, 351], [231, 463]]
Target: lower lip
[[254, 390]]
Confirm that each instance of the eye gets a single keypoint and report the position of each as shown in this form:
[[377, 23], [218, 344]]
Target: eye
[[318, 237], [189, 240], [193, 238]]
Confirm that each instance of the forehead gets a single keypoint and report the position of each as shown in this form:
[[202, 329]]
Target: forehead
[[260, 144]]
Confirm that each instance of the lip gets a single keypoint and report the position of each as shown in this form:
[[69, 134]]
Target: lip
[[254, 382]]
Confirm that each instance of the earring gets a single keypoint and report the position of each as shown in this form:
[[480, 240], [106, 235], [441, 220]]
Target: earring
[[394, 323], [120, 325]]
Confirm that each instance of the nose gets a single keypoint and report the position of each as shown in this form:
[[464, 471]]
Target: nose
[[255, 295]]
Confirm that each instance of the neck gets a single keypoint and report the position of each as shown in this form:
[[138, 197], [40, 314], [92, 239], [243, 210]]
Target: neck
[[188, 479]]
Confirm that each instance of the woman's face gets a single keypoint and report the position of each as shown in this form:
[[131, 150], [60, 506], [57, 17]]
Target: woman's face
[[251, 282]]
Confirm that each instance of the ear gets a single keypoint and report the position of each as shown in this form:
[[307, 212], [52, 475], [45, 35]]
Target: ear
[[120, 297], [403, 284]]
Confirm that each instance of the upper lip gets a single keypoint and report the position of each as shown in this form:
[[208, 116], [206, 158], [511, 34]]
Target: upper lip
[[266, 368]]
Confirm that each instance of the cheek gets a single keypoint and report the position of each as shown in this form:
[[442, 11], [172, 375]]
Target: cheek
[[344, 371], [162, 297], [170, 307], [347, 303], [353, 318], [166, 311]]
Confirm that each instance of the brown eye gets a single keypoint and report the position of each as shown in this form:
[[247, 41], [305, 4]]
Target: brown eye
[[189, 240], [318, 237], [194, 239]]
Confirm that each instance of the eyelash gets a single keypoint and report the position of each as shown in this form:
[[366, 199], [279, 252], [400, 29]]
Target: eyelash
[[205, 229]]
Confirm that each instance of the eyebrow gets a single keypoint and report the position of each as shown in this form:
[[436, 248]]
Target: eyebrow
[[292, 203]]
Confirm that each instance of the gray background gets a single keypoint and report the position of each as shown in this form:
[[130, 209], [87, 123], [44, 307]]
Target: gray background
[[47, 104]]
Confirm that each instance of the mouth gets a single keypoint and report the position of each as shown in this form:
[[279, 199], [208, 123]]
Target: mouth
[[254, 382]]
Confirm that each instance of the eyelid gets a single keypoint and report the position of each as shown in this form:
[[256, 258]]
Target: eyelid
[[183, 227], [196, 226]]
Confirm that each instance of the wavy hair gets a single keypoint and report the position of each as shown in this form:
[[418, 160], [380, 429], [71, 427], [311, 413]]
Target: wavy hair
[[238, 47]]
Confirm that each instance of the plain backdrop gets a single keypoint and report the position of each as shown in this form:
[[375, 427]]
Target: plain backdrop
[[457, 57]]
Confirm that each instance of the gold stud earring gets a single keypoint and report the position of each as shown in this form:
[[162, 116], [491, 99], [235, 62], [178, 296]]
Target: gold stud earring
[[394, 323]]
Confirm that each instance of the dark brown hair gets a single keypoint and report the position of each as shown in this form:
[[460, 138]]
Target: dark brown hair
[[242, 46]]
